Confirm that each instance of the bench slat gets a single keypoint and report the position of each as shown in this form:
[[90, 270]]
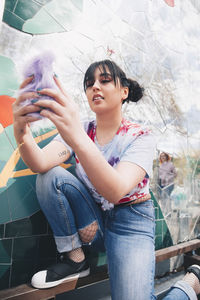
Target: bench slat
[[181, 248], [26, 292]]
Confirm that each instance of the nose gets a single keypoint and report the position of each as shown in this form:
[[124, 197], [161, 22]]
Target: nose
[[96, 85]]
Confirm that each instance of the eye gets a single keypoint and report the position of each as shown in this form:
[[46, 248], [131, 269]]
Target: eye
[[106, 80], [89, 83]]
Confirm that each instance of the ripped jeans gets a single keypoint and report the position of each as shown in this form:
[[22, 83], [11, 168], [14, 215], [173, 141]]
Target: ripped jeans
[[125, 233]]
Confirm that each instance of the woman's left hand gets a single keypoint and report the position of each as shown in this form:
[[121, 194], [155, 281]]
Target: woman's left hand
[[63, 112]]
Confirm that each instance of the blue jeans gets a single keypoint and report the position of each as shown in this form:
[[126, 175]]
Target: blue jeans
[[126, 233]]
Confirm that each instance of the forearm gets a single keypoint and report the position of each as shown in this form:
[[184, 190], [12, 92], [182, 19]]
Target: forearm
[[31, 154], [107, 181]]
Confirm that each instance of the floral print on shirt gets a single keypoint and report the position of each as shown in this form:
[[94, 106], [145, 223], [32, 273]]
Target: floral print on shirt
[[114, 152]]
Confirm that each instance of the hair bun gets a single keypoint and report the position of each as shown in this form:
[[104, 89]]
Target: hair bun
[[135, 91]]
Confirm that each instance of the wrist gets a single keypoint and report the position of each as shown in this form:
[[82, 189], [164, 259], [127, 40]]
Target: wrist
[[81, 143], [20, 145], [20, 135]]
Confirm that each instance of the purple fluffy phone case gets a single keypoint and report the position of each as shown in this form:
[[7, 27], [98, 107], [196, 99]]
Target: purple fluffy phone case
[[41, 66]]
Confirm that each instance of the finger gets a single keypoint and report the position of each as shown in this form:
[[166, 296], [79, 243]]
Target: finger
[[26, 81], [30, 109], [50, 104], [30, 118], [50, 115], [25, 96], [58, 83], [24, 110], [57, 95], [25, 120]]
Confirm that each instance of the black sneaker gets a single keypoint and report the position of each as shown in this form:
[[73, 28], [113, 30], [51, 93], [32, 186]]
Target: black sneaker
[[56, 274]]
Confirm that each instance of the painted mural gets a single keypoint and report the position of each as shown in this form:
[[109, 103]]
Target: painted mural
[[156, 42]]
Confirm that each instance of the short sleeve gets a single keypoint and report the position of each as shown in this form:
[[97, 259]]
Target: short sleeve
[[85, 124], [60, 139], [141, 152]]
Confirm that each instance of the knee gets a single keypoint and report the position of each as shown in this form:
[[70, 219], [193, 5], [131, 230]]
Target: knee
[[42, 179], [45, 182], [50, 181]]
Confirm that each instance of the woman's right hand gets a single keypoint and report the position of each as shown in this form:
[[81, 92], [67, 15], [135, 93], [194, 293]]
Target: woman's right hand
[[21, 119]]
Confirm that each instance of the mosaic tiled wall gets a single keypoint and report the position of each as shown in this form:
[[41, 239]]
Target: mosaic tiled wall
[[156, 42]]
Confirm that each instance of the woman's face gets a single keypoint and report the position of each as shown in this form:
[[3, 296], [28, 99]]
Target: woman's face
[[102, 93], [163, 157]]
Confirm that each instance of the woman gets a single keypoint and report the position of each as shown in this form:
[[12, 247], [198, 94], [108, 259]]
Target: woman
[[167, 173], [108, 204], [166, 176]]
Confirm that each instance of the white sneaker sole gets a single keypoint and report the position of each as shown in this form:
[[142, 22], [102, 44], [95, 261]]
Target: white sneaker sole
[[46, 285]]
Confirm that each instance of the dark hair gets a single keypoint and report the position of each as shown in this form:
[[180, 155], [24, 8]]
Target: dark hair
[[166, 155], [135, 91]]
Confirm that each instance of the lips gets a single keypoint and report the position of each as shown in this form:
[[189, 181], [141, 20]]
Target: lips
[[97, 97]]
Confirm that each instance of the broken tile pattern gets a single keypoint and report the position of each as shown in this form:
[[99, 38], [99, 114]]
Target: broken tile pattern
[[156, 44]]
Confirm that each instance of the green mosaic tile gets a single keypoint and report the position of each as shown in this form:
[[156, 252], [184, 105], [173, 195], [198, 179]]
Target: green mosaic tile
[[157, 207], [163, 237], [2, 164], [160, 214], [96, 259], [12, 20], [167, 239], [42, 264], [22, 271], [20, 165], [6, 148], [5, 212], [26, 9], [25, 248], [42, 23], [156, 213], [5, 251], [17, 191], [30, 180], [54, 18], [10, 136], [8, 77], [27, 254], [163, 240], [46, 252], [66, 13], [102, 259], [10, 4], [22, 199], [2, 229], [4, 276], [34, 225], [159, 227], [46, 141], [158, 242], [47, 247]]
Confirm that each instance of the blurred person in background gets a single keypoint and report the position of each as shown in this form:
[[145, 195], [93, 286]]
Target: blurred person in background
[[166, 176]]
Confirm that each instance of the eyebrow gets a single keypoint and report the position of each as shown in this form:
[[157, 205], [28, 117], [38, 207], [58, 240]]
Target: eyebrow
[[105, 74]]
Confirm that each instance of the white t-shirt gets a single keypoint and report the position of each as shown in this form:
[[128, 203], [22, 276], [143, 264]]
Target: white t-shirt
[[132, 143]]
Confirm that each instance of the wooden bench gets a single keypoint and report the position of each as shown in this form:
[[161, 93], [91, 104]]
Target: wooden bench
[[26, 292]]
